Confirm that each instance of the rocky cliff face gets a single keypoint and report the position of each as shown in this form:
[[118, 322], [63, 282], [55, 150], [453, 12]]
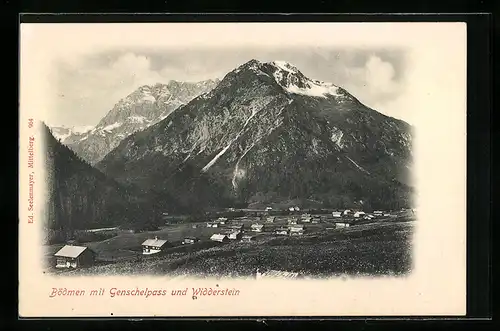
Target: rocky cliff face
[[139, 110], [268, 134]]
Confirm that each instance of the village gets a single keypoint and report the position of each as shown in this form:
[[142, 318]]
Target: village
[[251, 229]]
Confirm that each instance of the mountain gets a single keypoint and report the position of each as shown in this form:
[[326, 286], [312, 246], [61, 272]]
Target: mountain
[[140, 109], [62, 133], [81, 197], [267, 134]]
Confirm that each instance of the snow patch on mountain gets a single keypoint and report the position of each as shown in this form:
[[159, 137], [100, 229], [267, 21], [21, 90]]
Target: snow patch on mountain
[[211, 163], [62, 132], [111, 127], [138, 119], [255, 107], [357, 165], [283, 65], [315, 90], [293, 81]]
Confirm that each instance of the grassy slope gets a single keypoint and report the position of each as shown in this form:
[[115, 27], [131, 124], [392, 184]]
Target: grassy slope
[[381, 248]]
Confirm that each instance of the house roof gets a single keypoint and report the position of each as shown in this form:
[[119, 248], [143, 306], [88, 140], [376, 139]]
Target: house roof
[[154, 242], [71, 251], [280, 274], [218, 236]]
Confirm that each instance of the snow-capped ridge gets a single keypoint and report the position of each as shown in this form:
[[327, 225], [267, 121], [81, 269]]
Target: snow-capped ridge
[[291, 79]]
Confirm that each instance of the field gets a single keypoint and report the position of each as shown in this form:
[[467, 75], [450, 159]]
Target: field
[[381, 247]]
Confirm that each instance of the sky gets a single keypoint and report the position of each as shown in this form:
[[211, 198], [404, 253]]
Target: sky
[[88, 68], [87, 87]]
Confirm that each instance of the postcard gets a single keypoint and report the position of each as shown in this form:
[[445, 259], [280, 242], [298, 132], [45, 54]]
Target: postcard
[[242, 169]]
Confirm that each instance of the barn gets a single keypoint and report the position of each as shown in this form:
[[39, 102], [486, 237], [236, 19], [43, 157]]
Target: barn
[[219, 237], [71, 256], [190, 240], [271, 219], [153, 246], [281, 231], [257, 227], [359, 214], [296, 230], [235, 235]]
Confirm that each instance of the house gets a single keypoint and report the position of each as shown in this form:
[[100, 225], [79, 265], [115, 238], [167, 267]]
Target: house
[[316, 220], [296, 230], [386, 215], [153, 246], [190, 240], [292, 221], [74, 257], [276, 274], [219, 237], [257, 227], [342, 225], [306, 220], [296, 208], [337, 214], [236, 227], [298, 227], [368, 217], [235, 235], [269, 208], [271, 219], [281, 231], [248, 238], [221, 220], [212, 225], [378, 212], [359, 214], [305, 215], [346, 212], [291, 209]]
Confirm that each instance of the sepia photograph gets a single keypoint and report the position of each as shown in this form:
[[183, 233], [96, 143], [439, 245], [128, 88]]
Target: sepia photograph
[[230, 162], [291, 157]]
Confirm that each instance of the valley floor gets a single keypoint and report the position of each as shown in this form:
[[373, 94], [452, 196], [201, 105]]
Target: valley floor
[[382, 247]]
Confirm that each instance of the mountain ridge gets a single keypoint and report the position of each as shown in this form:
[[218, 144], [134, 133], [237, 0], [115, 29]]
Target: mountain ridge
[[145, 106], [263, 115]]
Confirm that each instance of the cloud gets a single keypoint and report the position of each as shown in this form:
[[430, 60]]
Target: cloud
[[88, 88], [92, 84], [379, 76]]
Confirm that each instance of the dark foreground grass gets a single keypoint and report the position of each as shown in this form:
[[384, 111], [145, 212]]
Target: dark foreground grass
[[371, 249]]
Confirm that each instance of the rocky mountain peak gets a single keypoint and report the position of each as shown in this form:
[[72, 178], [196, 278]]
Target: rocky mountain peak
[[145, 106], [291, 79]]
